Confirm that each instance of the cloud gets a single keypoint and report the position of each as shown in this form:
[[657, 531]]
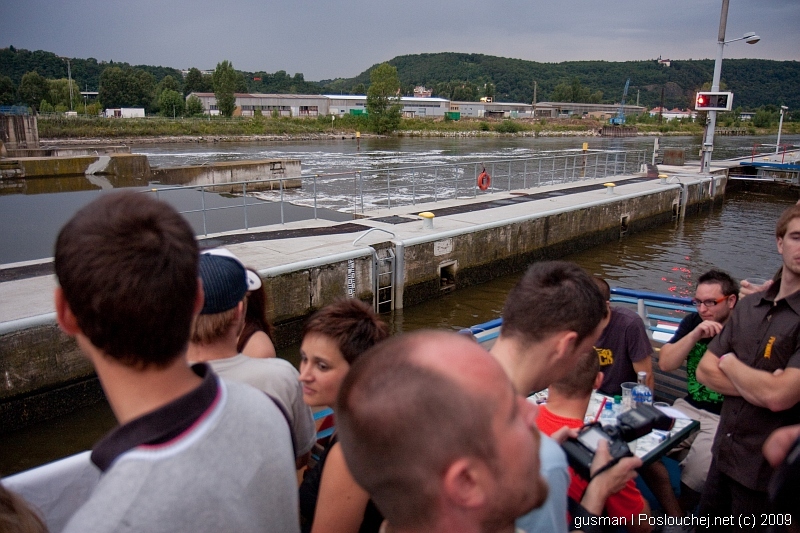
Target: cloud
[[343, 38]]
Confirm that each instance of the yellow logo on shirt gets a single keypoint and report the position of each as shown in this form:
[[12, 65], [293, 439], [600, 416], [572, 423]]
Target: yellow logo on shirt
[[768, 349], [605, 356]]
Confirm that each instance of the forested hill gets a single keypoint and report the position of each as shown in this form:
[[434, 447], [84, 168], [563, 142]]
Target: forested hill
[[754, 82]]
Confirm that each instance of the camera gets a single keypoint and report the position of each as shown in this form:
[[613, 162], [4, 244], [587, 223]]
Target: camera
[[784, 485], [632, 424]]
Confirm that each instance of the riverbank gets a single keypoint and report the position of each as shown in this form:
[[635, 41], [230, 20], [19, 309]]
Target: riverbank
[[158, 130]]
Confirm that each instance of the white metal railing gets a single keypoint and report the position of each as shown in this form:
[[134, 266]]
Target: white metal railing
[[360, 191]]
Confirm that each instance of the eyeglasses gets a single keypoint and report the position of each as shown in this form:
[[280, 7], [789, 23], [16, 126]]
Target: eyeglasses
[[707, 303]]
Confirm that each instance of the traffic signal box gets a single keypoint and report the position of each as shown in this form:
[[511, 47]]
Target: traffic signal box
[[707, 101]]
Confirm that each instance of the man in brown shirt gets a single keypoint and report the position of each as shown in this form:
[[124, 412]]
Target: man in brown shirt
[[755, 363]]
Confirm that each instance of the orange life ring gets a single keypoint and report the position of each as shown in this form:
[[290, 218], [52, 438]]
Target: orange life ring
[[484, 181]]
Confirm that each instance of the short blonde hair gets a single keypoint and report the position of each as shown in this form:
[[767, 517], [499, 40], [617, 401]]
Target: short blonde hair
[[207, 329]]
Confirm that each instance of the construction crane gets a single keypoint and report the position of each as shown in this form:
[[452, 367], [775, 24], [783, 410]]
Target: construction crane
[[619, 120]]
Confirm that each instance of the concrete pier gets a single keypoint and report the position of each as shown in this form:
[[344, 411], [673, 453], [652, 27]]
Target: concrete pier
[[393, 259]]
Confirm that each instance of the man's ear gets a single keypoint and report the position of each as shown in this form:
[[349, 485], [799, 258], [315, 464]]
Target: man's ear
[[66, 320], [465, 482], [199, 299], [566, 344], [598, 380]]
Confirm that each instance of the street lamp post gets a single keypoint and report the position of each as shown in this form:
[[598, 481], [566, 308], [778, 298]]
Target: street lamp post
[[749, 38], [69, 83], [780, 126]]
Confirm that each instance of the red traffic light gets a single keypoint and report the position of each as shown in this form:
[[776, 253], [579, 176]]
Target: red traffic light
[[714, 101]]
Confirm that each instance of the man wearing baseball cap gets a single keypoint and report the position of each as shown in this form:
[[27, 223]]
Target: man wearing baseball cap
[[215, 333]]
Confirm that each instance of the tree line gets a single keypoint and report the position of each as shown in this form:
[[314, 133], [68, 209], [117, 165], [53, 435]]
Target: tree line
[[757, 84]]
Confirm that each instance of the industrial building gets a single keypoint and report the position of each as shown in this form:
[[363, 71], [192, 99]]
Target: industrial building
[[284, 105], [568, 109], [305, 105]]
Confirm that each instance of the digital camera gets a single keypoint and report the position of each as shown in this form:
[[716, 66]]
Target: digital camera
[[632, 424]]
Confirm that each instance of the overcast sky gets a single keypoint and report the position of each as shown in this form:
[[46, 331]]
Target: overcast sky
[[342, 38]]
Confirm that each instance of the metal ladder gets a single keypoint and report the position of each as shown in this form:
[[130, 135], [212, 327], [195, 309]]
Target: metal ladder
[[383, 267]]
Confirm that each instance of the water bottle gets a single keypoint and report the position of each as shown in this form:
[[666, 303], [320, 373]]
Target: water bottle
[[607, 416], [641, 392]]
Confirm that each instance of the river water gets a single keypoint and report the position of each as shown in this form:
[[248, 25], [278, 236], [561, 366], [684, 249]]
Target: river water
[[31, 221], [737, 237]]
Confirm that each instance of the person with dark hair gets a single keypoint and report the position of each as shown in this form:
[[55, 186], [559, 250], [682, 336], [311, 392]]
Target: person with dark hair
[[258, 332], [567, 402], [215, 333], [715, 297], [754, 362], [551, 318], [623, 348], [433, 430], [334, 338], [192, 452]]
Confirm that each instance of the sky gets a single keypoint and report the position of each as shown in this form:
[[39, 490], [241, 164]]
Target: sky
[[326, 39]]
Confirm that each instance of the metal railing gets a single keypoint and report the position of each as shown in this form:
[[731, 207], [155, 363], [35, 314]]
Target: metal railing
[[360, 191]]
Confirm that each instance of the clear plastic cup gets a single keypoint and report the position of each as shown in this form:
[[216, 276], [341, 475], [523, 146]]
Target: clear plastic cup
[[627, 395]]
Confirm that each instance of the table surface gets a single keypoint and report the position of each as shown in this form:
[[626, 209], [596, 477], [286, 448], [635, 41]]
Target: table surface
[[650, 447]]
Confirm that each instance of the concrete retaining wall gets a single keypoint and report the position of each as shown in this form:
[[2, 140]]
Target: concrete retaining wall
[[119, 165], [486, 254], [293, 295], [19, 131], [234, 171]]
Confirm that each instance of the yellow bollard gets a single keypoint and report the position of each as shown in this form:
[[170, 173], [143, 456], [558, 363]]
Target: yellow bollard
[[609, 187], [427, 219]]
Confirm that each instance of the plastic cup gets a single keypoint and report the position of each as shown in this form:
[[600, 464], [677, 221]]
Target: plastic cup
[[661, 404], [627, 394], [755, 281]]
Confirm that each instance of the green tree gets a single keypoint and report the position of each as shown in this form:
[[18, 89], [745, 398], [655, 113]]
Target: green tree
[[8, 92], [59, 92], [167, 83], [33, 89], [46, 107], [171, 103], [224, 88], [126, 87], [383, 102], [241, 83], [196, 82], [359, 89], [194, 107]]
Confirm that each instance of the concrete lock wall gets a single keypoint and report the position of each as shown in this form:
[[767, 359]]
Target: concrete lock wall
[[438, 265], [40, 363], [295, 295], [19, 131], [43, 374]]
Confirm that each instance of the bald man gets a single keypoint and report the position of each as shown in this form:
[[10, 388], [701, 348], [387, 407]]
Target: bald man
[[433, 429]]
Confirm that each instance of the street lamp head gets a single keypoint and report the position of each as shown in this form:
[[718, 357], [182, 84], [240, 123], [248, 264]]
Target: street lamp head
[[752, 39], [784, 108]]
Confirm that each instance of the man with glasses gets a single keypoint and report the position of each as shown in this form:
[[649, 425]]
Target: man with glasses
[[715, 297]]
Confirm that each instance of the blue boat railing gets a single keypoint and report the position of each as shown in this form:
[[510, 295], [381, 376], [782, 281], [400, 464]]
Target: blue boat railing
[[647, 303], [647, 300]]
